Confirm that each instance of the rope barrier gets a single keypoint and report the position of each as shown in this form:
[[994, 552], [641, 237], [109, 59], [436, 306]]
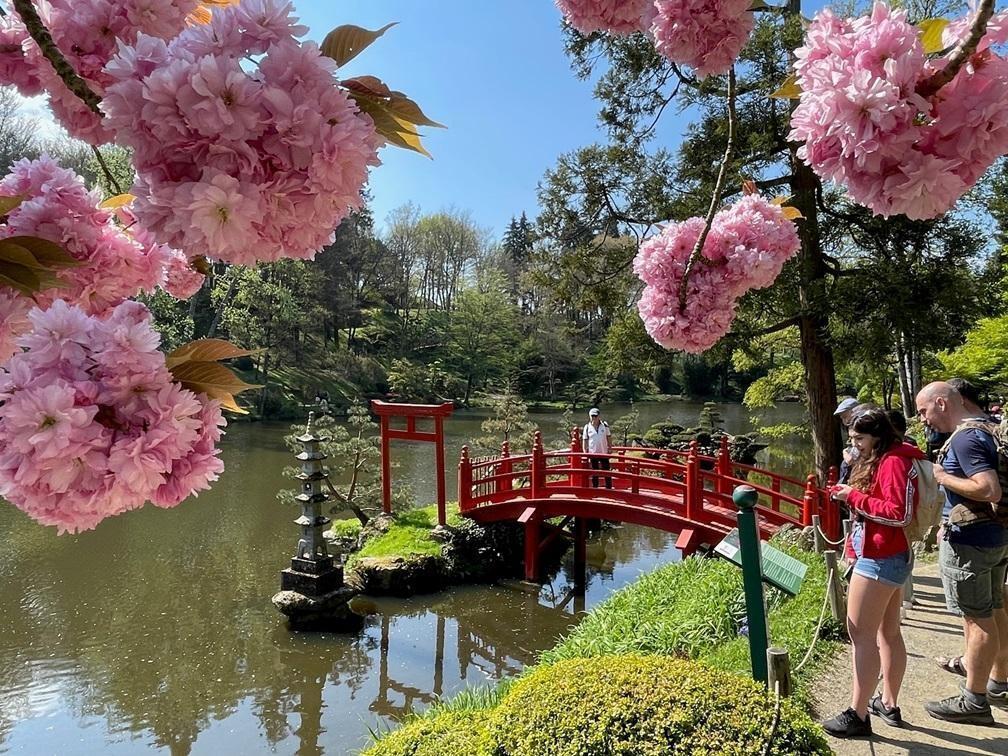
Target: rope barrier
[[822, 618], [831, 543], [776, 719]]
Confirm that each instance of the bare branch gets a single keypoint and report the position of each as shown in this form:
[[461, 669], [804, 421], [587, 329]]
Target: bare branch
[[716, 196], [966, 48], [784, 324], [39, 33]]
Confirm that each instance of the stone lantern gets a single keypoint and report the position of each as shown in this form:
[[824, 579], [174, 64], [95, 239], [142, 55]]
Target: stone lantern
[[312, 594]]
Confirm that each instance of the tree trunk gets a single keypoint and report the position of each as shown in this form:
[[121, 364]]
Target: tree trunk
[[228, 295], [817, 354], [902, 370]]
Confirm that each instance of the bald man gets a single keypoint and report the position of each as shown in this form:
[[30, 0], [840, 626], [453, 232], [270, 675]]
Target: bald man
[[973, 553]]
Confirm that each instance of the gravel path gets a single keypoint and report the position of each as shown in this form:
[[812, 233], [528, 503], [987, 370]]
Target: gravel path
[[929, 631]]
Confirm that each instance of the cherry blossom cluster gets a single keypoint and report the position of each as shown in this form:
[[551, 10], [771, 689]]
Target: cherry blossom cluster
[[614, 16], [239, 161], [114, 264], [866, 126], [706, 35], [747, 246], [92, 425], [87, 32]]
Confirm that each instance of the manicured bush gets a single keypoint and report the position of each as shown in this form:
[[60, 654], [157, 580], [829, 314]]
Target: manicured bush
[[449, 733], [644, 706]]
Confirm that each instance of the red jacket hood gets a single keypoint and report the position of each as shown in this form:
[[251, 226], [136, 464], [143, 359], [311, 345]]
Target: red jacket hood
[[906, 450]]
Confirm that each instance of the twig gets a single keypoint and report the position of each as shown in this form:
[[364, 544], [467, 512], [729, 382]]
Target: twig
[[716, 197], [105, 169], [38, 32], [962, 53]]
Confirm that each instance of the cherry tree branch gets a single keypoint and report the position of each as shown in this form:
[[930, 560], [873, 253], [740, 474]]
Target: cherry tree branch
[[39, 33], [105, 169], [962, 53], [695, 255]]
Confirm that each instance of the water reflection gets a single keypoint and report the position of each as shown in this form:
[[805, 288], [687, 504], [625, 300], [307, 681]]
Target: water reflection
[[155, 633]]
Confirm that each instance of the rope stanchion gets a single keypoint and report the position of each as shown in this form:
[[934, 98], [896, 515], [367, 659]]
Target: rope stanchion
[[827, 540], [822, 618], [776, 720]]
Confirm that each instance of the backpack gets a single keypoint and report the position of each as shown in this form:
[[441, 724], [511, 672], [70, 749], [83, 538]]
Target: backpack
[[930, 502], [968, 512]]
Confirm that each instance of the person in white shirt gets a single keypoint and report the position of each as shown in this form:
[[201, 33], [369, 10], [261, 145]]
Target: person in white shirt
[[595, 441]]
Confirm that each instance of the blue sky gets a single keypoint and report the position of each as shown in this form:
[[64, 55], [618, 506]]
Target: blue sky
[[495, 74]]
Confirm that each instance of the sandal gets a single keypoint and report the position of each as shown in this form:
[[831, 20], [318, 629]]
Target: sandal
[[952, 664]]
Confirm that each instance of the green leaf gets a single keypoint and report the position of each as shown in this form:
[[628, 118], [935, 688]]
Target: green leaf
[[931, 30], [344, 43]]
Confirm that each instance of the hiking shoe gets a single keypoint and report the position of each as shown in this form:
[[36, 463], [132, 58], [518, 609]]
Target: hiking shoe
[[959, 709], [891, 716], [997, 693], [847, 724]]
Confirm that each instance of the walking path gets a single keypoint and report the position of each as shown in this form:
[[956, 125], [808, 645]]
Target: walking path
[[929, 631]]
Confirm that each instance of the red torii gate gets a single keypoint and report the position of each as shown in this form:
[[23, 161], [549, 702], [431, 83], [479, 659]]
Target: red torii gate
[[388, 410]]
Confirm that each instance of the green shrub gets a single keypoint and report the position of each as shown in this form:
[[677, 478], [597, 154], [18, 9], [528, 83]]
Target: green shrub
[[449, 733], [644, 706]]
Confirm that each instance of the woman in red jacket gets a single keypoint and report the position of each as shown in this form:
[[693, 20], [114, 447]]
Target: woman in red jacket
[[882, 496]]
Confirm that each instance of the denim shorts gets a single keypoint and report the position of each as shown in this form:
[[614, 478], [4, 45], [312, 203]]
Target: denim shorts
[[892, 570], [973, 577]]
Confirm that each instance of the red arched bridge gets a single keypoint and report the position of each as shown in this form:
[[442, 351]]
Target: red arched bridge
[[682, 492]]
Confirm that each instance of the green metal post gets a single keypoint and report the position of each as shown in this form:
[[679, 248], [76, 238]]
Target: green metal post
[[745, 498]]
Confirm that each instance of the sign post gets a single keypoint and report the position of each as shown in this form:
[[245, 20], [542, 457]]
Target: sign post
[[745, 498]]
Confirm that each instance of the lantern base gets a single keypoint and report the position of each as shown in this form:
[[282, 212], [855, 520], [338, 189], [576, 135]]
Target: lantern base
[[309, 581], [328, 612]]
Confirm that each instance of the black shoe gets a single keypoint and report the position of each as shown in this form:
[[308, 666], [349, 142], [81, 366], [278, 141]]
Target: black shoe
[[891, 716], [847, 724], [958, 709]]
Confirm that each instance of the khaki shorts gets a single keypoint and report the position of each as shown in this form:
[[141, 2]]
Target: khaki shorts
[[973, 577]]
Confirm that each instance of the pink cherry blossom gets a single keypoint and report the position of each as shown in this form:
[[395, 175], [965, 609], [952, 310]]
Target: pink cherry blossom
[[114, 264], [746, 248], [92, 424], [87, 32], [705, 34], [865, 126], [614, 16], [236, 161]]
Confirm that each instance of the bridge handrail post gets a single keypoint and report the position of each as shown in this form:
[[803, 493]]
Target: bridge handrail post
[[538, 482], [809, 500], [693, 497], [504, 482], [575, 458], [465, 481], [724, 468], [621, 466]]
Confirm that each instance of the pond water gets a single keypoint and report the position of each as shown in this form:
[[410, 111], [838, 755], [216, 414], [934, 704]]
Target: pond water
[[155, 632]]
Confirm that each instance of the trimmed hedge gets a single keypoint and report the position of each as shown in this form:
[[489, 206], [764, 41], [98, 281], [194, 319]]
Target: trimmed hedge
[[615, 706], [644, 706], [449, 733]]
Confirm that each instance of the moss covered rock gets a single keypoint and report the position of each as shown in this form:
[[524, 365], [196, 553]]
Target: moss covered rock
[[644, 706]]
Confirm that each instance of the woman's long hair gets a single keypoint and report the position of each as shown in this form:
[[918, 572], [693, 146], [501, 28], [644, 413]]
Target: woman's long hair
[[876, 423]]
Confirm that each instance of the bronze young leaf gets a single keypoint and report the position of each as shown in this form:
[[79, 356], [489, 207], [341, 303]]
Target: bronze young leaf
[[344, 43]]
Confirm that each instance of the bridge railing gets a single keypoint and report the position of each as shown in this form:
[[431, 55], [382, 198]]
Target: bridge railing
[[703, 483]]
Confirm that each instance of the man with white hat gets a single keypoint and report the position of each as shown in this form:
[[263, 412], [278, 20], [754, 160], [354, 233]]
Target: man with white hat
[[845, 411], [595, 441]]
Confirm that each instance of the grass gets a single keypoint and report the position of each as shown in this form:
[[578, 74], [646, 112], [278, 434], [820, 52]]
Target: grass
[[346, 528], [410, 535]]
